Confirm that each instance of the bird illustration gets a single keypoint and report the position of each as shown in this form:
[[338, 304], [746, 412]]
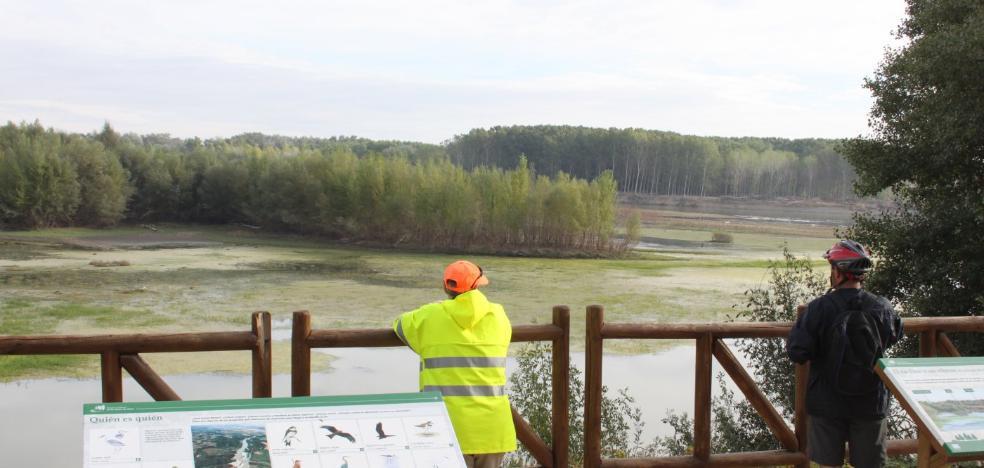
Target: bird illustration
[[290, 436], [334, 431], [380, 433], [390, 461], [425, 427], [344, 463], [115, 441]]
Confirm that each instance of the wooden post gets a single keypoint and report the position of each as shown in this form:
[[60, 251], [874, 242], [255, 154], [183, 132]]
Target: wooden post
[[755, 397], [800, 417], [112, 377], [533, 443], [560, 380], [156, 387], [946, 347], [927, 343], [262, 365], [702, 397], [925, 453], [592, 386], [300, 356]]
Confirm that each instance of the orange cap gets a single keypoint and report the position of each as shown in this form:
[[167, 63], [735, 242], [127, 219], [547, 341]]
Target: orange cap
[[463, 276]]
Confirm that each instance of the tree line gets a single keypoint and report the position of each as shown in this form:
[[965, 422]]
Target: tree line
[[343, 188], [665, 163]]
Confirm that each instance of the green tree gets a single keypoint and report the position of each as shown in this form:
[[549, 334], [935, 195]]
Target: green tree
[[735, 423], [45, 189], [927, 147], [737, 426], [103, 183], [530, 392]]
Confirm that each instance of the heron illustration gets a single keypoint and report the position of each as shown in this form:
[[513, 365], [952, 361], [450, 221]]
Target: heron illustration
[[380, 433], [344, 462]]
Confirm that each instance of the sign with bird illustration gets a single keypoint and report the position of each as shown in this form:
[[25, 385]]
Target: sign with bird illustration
[[360, 431]]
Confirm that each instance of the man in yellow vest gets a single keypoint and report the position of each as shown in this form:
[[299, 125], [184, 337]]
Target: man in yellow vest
[[462, 343]]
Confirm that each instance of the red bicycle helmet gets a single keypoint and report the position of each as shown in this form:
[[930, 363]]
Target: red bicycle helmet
[[849, 257]]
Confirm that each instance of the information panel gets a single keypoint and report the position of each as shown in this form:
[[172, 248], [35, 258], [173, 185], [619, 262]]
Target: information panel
[[947, 395], [409, 430]]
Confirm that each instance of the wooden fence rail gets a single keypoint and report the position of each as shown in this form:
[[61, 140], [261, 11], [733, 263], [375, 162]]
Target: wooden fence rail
[[558, 333], [709, 343], [122, 352], [119, 352]]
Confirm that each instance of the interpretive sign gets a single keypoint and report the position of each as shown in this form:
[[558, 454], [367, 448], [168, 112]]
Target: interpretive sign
[[945, 396], [409, 430]]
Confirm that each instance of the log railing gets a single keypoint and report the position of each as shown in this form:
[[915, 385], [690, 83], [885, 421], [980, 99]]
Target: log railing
[[709, 337], [558, 333], [119, 352]]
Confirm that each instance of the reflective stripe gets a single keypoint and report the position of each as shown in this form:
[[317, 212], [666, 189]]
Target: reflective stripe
[[439, 362], [399, 333], [467, 390]]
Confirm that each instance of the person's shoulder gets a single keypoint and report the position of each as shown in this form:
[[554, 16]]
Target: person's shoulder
[[430, 308], [879, 301], [822, 301]]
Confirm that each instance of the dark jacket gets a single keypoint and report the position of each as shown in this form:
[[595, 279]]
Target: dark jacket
[[808, 343]]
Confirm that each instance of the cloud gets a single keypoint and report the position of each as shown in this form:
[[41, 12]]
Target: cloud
[[428, 69]]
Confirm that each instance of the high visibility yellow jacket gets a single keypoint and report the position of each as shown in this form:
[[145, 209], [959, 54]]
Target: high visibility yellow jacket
[[462, 345]]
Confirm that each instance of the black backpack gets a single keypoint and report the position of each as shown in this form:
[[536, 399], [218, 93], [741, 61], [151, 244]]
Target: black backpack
[[855, 345]]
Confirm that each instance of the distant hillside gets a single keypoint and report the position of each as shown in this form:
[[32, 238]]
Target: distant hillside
[[665, 163]]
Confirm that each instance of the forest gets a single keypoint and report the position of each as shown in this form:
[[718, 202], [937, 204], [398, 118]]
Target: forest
[[501, 188], [665, 163], [340, 188]]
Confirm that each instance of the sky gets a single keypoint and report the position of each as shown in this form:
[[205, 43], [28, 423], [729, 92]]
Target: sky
[[426, 70]]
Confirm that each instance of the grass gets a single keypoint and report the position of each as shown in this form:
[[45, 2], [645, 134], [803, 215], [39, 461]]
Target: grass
[[230, 273], [28, 367], [22, 317], [758, 242]]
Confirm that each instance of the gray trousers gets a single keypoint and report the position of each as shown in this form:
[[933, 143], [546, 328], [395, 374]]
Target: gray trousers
[[484, 460]]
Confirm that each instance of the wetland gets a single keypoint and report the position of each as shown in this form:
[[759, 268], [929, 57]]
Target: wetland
[[183, 278]]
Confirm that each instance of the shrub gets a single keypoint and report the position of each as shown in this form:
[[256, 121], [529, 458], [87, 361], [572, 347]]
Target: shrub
[[530, 393], [722, 238]]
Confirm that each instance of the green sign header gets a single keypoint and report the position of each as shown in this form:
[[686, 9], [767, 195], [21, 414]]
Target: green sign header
[[259, 403]]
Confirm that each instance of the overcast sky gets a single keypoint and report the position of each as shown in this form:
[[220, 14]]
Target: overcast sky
[[426, 70]]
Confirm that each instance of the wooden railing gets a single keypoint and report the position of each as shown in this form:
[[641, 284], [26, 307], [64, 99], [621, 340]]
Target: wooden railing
[[118, 352], [709, 337], [558, 333]]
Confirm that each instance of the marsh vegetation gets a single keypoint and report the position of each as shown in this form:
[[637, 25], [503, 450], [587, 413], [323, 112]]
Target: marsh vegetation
[[189, 277]]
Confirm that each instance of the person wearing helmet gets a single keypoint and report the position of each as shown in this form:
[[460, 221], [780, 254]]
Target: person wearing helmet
[[841, 334], [463, 343]]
